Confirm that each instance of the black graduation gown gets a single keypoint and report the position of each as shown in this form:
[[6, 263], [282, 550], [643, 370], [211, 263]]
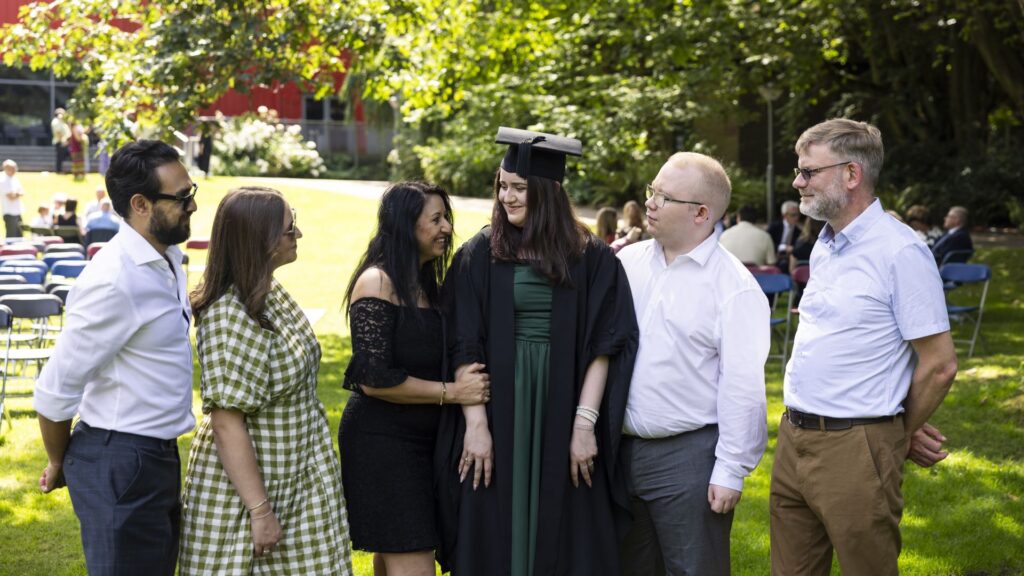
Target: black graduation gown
[[579, 529]]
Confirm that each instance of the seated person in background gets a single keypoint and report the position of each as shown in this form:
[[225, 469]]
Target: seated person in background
[[632, 228], [747, 242], [957, 237], [43, 219], [607, 219], [69, 218], [94, 205], [804, 243], [919, 219], [785, 231], [59, 200], [103, 219]]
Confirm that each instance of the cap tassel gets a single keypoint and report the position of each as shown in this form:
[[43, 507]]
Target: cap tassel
[[525, 151]]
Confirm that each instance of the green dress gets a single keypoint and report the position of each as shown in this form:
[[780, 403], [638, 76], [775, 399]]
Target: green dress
[[271, 377], [532, 295]]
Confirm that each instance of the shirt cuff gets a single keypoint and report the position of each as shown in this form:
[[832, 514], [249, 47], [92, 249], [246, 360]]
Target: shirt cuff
[[53, 406], [721, 476]]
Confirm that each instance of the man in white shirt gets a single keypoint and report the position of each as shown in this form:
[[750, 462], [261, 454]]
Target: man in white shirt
[[61, 133], [750, 244], [872, 360], [10, 195], [695, 423], [123, 363], [94, 205]]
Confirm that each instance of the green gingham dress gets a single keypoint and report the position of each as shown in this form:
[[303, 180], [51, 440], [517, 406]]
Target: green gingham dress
[[271, 377]]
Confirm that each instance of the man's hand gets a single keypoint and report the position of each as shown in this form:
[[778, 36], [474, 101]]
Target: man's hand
[[925, 446], [722, 499], [52, 478]]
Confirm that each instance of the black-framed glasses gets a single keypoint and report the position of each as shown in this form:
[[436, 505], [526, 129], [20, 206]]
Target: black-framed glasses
[[660, 198], [809, 173], [183, 199], [294, 226]]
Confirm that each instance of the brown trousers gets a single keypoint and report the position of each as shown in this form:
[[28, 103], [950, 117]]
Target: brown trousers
[[837, 490]]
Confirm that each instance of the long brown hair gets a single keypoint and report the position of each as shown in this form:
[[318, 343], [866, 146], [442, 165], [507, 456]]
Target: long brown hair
[[246, 230], [552, 238]]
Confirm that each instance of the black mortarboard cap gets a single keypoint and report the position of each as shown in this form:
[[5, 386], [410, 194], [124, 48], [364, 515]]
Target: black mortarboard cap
[[535, 153]]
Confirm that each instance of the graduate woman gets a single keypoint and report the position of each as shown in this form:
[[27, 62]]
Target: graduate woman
[[529, 482]]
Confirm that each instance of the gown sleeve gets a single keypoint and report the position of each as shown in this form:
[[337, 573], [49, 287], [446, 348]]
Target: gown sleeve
[[610, 308], [233, 352], [372, 322], [466, 286]]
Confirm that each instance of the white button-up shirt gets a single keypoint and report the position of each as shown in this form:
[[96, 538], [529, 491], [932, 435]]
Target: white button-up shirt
[[123, 361], [704, 338], [874, 287]]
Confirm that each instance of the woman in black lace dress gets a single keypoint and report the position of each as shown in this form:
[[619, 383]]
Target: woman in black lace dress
[[397, 376]]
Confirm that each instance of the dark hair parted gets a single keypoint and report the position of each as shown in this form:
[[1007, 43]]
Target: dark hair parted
[[394, 247], [551, 239], [133, 171], [246, 232]]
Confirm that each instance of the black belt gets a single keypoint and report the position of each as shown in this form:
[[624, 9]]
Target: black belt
[[825, 423]]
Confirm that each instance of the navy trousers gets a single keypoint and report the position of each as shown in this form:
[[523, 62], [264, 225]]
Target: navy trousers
[[125, 489]]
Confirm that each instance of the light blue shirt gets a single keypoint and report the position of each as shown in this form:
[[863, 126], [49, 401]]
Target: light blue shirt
[[874, 287], [102, 221]]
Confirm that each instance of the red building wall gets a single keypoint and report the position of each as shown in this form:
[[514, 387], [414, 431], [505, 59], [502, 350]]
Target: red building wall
[[285, 98]]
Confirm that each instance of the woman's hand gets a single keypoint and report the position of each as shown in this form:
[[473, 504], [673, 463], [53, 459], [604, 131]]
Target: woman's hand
[[477, 453], [472, 386], [266, 532], [582, 451]]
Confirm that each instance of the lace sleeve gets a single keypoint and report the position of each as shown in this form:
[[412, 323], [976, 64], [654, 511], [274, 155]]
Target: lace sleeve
[[372, 322]]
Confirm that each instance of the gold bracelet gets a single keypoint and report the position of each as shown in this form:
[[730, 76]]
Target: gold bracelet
[[256, 507], [264, 515], [444, 389]]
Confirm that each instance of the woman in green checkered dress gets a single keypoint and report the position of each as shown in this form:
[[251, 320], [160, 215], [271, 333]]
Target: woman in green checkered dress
[[263, 490]]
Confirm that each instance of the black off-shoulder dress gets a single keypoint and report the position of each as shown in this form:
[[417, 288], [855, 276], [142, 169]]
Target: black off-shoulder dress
[[387, 449]]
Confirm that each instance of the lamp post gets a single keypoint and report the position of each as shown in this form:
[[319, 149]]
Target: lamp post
[[770, 93]]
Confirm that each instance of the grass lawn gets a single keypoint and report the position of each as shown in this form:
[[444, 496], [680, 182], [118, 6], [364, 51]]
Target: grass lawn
[[964, 517]]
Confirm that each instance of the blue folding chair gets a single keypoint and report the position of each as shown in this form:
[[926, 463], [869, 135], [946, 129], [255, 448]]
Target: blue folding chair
[[17, 258], [774, 286], [54, 257], [956, 257], [6, 322], [964, 275], [12, 279], [68, 268], [31, 274]]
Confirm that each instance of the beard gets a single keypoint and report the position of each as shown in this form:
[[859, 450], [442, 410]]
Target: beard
[[168, 232], [826, 204]]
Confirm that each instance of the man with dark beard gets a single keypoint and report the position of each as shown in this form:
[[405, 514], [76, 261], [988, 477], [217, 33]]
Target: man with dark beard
[[123, 363]]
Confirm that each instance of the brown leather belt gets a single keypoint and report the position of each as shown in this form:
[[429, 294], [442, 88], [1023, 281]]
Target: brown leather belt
[[827, 423]]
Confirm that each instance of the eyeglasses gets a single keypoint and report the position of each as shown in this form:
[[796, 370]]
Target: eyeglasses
[[660, 199], [183, 199], [809, 173], [293, 227]]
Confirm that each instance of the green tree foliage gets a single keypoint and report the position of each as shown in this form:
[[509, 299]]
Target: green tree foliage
[[634, 79], [145, 68]]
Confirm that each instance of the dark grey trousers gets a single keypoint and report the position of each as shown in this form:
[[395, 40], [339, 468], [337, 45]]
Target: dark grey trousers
[[674, 531], [125, 488], [12, 224]]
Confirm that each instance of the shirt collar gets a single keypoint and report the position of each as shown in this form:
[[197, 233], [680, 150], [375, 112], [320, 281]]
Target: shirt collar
[[855, 230], [701, 254], [141, 251]]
